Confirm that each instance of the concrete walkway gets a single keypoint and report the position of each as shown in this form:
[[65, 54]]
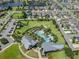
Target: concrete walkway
[[29, 57], [25, 54], [6, 47]]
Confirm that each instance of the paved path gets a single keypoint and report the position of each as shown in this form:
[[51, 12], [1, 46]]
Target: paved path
[[25, 54], [6, 47], [29, 57]]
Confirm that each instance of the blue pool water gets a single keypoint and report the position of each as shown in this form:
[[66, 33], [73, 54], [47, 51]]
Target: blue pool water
[[47, 38]]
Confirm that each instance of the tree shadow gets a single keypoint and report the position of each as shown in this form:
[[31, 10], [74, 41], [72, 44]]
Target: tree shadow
[[69, 52]]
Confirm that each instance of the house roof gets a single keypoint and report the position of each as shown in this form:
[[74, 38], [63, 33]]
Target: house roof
[[50, 46], [77, 38], [27, 41], [5, 6], [15, 4]]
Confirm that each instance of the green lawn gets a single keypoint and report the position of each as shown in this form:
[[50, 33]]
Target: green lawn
[[11, 53], [31, 24], [60, 55], [17, 8], [18, 15], [64, 54], [33, 54], [48, 24], [21, 1]]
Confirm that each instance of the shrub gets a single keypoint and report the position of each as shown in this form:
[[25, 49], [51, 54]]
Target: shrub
[[4, 41]]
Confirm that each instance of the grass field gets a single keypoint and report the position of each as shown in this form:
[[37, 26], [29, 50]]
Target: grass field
[[18, 15], [33, 54], [12, 53], [59, 55], [31, 24], [65, 53], [48, 24]]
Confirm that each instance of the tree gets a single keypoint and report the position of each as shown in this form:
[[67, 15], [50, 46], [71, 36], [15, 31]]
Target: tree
[[24, 3], [24, 15], [12, 1], [4, 41], [73, 40], [9, 8]]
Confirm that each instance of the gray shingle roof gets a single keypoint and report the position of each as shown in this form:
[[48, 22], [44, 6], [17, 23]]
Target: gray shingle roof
[[27, 42], [5, 6], [50, 46]]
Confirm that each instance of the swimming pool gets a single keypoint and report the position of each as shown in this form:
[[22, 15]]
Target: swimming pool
[[47, 38]]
